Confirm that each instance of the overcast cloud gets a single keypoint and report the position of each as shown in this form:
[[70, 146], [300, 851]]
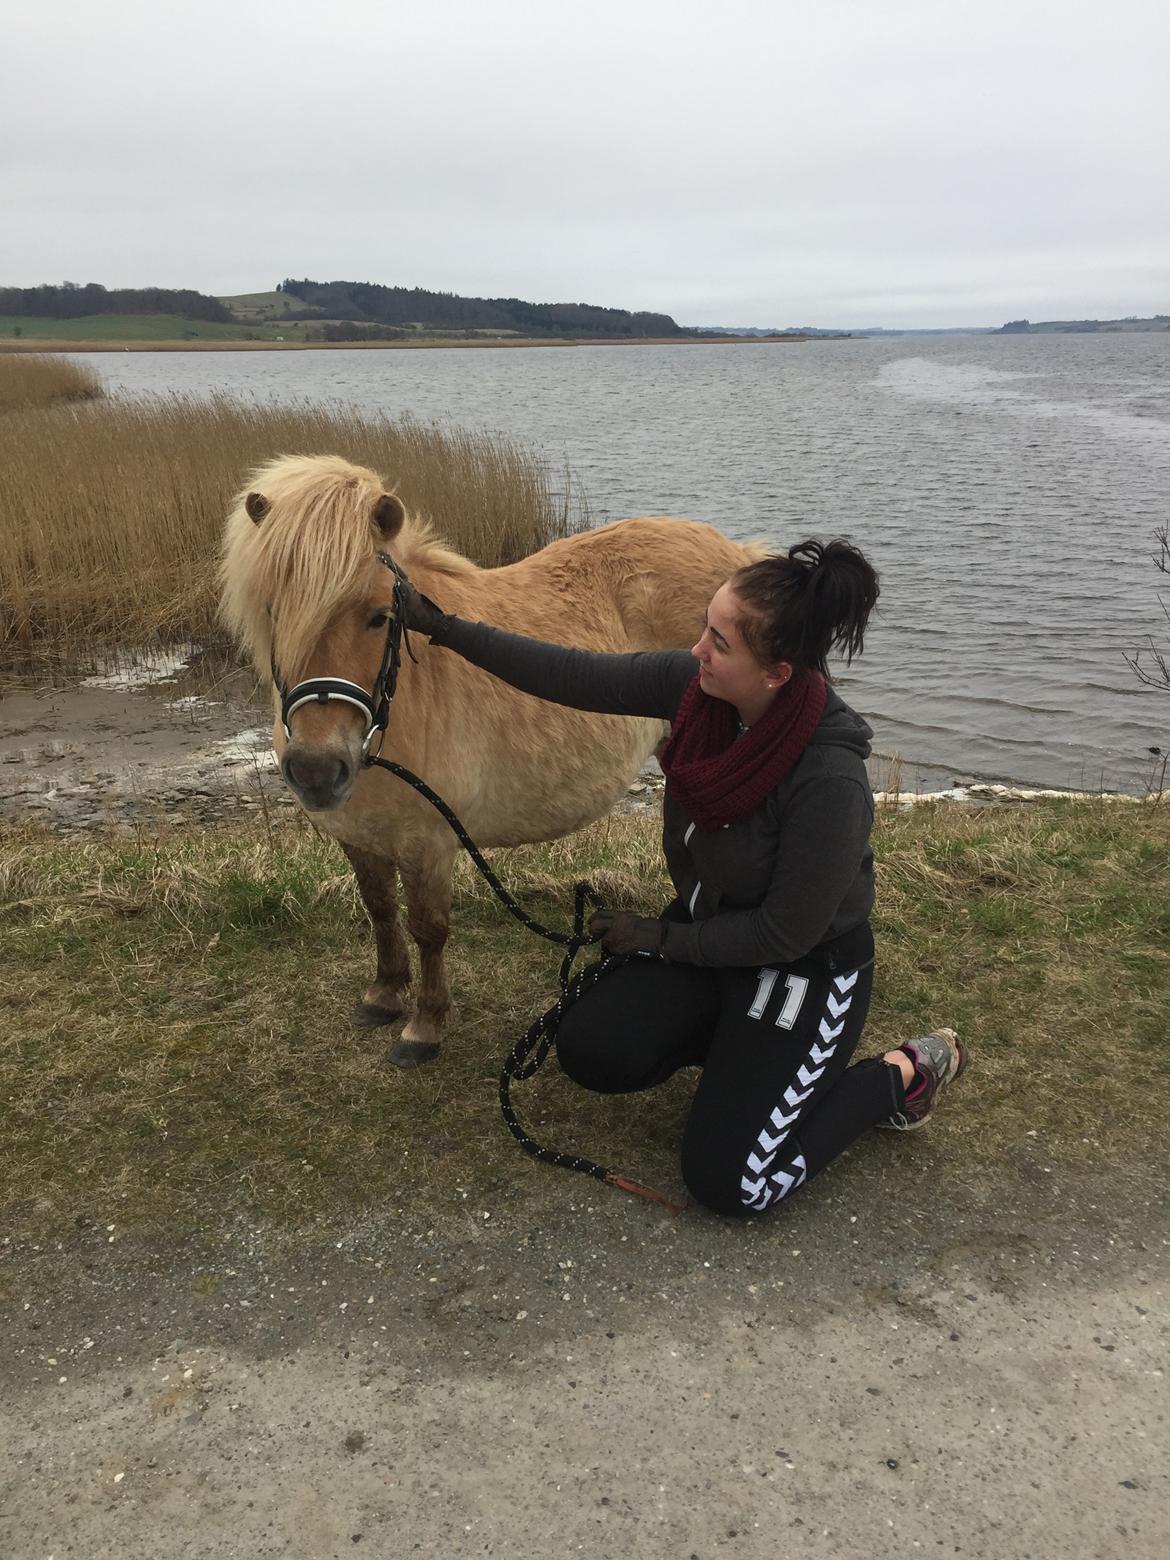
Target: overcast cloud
[[892, 162]]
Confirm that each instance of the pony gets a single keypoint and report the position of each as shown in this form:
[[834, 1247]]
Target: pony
[[306, 592]]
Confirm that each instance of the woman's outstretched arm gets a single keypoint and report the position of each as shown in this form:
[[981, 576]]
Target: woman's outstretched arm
[[642, 682]]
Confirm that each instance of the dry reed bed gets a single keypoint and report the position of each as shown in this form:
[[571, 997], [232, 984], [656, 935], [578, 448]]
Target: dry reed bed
[[35, 380], [110, 514]]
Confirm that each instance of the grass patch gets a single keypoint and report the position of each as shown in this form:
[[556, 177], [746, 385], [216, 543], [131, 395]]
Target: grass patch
[[138, 327], [111, 513], [31, 380], [263, 305], [176, 1029]]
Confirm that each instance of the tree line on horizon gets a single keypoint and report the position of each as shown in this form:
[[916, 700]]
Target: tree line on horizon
[[353, 310], [72, 300], [372, 304]]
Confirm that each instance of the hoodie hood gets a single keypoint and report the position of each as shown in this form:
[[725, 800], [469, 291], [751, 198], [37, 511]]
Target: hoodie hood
[[842, 727]]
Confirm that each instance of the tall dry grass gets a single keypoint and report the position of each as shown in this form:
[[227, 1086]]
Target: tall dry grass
[[110, 513], [34, 380]]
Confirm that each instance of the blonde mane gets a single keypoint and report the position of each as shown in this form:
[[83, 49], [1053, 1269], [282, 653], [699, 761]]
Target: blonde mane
[[311, 554]]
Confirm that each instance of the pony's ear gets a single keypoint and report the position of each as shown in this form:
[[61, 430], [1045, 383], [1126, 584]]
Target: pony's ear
[[389, 515], [256, 506]]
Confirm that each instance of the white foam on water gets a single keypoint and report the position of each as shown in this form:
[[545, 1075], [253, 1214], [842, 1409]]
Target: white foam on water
[[248, 741], [251, 749], [140, 668], [193, 701], [1004, 793]]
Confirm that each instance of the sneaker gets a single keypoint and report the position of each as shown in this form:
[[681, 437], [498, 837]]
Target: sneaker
[[938, 1059]]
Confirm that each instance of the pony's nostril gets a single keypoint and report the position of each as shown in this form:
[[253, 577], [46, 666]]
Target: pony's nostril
[[291, 772], [321, 774]]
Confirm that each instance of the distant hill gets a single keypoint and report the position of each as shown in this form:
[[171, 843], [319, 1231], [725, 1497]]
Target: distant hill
[[70, 301], [409, 309], [314, 311], [818, 331], [1084, 327], [768, 331]]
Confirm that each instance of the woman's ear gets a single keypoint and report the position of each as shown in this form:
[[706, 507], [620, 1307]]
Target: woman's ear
[[779, 674]]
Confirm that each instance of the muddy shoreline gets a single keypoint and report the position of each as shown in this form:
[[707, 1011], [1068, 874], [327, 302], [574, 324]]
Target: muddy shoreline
[[143, 741]]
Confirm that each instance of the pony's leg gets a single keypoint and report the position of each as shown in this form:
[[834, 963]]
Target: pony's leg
[[377, 880], [427, 879]]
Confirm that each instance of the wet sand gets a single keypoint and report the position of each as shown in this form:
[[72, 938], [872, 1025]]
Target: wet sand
[[145, 742]]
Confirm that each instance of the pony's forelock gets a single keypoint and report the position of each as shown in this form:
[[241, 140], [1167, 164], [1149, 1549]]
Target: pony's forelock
[[309, 556]]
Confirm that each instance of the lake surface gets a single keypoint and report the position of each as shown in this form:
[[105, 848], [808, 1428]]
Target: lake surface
[[1007, 489]]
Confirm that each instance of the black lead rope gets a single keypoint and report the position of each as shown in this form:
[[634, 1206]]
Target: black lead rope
[[574, 941], [530, 1052]]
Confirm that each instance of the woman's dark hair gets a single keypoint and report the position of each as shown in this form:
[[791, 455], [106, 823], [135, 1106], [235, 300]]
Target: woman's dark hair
[[801, 604]]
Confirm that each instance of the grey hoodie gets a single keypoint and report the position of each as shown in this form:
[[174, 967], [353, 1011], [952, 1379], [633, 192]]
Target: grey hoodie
[[795, 875]]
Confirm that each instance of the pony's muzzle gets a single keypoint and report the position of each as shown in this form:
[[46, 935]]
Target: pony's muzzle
[[321, 778]]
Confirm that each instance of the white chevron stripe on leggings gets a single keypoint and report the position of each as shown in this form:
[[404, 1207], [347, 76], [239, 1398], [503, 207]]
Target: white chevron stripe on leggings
[[761, 1184]]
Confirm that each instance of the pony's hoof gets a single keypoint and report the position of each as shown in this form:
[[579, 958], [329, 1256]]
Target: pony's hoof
[[414, 1053], [368, 1015]]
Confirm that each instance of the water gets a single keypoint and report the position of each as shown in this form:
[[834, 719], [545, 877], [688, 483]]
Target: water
[[1007, 489]]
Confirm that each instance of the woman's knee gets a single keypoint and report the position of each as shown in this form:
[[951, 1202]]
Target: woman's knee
[[580, 1054], [634, 1034], [729, 1187], [598, 1053]]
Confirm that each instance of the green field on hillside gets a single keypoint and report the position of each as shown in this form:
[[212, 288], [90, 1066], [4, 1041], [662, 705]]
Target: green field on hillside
[[136, 327], [262, 305]]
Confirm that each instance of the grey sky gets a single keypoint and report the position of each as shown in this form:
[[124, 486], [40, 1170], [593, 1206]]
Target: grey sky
[[890, 162]]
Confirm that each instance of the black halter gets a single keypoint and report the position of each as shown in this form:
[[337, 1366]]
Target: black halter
[[374, 706]]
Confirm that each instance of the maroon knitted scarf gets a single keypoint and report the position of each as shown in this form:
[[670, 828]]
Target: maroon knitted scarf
[[721, 780]]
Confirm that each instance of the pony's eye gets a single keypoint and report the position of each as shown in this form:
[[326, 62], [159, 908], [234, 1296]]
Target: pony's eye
[[379, 619]]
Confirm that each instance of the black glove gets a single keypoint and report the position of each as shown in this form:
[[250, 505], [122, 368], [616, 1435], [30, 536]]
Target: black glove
[[419, 612], [621, 931]]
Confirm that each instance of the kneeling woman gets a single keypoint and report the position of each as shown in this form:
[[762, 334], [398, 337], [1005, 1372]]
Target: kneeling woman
[[760, 970]]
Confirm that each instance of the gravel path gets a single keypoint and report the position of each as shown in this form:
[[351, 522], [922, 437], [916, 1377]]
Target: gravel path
[[892, 1365]]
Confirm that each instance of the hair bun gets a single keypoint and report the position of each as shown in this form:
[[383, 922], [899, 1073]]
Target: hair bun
[[803, 602], [810, 555]]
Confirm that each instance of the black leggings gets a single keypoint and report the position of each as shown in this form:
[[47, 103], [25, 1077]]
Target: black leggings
[[777, 1100]]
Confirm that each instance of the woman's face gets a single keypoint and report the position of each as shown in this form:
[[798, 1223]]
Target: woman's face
[[727, 668]]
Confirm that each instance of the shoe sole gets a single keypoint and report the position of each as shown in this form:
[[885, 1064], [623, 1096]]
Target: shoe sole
[[958, 1057]]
